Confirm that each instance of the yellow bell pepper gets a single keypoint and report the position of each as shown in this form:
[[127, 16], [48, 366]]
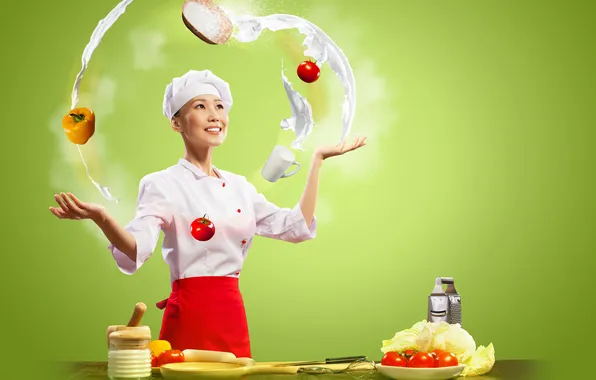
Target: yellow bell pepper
[[159, 346], [79, 125]]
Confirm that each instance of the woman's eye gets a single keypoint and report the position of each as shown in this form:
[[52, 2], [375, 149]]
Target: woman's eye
[[200, 106], [220, 106]]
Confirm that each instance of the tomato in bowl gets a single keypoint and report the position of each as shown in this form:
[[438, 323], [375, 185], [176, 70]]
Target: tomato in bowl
[[438, 365]]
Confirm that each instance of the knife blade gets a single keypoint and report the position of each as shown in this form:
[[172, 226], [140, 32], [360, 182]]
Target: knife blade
[[344, 359]]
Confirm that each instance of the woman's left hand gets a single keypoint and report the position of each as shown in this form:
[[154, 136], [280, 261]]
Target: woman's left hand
[[325, 152]]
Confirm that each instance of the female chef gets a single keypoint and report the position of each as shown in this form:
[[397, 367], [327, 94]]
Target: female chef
[[205, 309]]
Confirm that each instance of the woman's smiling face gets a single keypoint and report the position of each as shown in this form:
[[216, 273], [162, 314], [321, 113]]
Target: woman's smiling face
[[202, 121]]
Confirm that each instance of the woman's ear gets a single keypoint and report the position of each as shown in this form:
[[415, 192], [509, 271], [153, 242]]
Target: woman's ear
[[175, 125]]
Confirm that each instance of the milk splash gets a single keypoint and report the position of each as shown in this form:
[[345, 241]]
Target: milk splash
[[249, 28], [301, 121], [101, 29], [319, 46]]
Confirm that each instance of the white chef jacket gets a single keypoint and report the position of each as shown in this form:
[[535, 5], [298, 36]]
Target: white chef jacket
[[169, 200]]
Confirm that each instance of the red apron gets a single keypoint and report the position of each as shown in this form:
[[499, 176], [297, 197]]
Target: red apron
[[206, 313]]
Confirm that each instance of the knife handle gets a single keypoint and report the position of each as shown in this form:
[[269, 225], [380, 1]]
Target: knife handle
[[345, 359]]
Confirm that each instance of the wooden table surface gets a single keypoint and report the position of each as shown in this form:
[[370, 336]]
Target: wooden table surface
[[502, 370]]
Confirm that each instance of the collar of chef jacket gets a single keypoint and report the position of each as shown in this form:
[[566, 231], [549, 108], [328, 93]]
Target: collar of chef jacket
[[197, 171]]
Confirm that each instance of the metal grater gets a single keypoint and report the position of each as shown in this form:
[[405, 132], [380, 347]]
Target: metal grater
[[444, 305]]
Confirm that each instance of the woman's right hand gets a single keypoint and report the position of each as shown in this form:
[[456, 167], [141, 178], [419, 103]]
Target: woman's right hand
[[72, 208]]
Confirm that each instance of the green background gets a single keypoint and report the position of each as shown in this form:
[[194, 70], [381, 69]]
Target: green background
[[479, 165]]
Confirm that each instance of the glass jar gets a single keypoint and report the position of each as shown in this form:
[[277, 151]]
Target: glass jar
[[129, 356]]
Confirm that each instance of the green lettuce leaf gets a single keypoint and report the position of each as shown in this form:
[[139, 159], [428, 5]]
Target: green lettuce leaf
[[480, 362], [404, 340], [426, 339], [455, 339]]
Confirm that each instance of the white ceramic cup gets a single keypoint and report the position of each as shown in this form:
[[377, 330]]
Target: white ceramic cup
[[280, 160]]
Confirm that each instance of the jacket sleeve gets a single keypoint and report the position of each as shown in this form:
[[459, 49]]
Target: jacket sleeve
[[153, 214], [280, 223]]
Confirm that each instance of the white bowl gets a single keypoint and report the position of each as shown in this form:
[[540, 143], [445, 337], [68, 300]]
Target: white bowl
[[407, 373]]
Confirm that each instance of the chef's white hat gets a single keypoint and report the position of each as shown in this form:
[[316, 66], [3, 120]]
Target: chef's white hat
[[191, 84]]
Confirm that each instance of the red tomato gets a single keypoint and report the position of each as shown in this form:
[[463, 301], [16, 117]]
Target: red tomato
[[202, 229], [308, 71], [408, 353], [446, 359], [436, 353], [393, 359], [170, 356], [421, 360], [154, 361]]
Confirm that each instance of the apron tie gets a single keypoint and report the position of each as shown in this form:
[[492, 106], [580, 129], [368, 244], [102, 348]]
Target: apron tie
[[162, 304]]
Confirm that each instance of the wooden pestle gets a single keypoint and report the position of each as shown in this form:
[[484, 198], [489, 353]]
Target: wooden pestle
[[133, 323], [137, 315]]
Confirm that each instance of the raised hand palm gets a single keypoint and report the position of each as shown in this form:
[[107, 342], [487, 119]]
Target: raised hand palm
[[70, 207], [339, 149]]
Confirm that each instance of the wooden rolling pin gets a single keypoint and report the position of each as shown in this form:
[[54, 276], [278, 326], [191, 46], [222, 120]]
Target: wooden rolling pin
[[191, 355], [133, 323]]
